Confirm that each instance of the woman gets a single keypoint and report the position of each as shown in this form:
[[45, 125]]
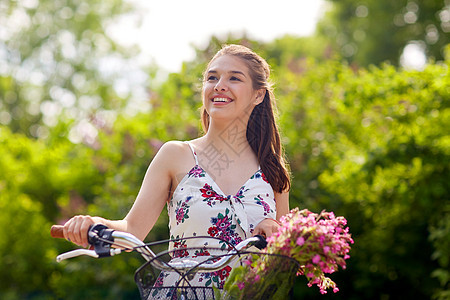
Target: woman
[[230, 183]]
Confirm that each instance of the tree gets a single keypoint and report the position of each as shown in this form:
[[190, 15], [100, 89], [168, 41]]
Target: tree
[[371, 145], [54, 57], [373, 31]]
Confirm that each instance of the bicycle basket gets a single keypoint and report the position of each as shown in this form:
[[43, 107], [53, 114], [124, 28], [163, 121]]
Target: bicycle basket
[[191, 282], [151, 281], [172, 293]]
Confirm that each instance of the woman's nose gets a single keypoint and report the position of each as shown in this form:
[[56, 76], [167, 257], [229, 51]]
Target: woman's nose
[[220, 86]]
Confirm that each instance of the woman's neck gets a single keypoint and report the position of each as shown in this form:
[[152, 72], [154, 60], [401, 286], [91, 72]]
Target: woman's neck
[[224, 150], [231, 135]]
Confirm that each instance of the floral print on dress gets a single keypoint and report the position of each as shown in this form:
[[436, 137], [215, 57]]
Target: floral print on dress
[[181, 245], [201, 252], [198, 207], [259, 200], [252, 228], [196, 172], [160, 280], [159, 293], [210, 195], [182, 210], [260, 174], [240, 194], [217, 277], [224, 229], [223, 274]]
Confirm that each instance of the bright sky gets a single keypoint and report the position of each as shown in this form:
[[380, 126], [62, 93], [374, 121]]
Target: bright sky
[[168, 27]]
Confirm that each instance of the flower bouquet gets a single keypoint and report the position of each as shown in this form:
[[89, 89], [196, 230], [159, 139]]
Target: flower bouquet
[[306, 244]]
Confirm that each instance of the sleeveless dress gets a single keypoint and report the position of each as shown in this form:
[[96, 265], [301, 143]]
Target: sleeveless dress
[[199, 208]]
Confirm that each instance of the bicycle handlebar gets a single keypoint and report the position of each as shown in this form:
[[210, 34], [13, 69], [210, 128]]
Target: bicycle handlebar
[[57, 231], [102, 238]]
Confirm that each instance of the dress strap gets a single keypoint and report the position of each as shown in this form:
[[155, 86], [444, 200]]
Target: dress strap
[[193, 152]]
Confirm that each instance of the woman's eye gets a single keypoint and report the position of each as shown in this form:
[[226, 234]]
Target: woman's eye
[[235, 78], [211, 78]]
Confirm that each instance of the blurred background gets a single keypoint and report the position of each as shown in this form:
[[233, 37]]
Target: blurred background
[[87, 98]]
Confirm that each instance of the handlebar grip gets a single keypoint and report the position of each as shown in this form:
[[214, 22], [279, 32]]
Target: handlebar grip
[[261, 243], [57, 231]]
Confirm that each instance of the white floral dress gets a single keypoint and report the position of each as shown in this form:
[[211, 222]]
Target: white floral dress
[[199, 208]]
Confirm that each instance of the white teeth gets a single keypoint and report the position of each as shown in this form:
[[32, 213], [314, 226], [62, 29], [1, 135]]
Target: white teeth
[[220, 100]]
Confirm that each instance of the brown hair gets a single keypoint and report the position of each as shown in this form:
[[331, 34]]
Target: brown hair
[[262, 131]]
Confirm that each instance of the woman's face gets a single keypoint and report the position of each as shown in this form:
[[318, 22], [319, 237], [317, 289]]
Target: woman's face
[[228, 89]]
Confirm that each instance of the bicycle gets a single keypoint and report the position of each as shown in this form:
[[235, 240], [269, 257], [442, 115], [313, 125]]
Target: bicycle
[[108, 242]]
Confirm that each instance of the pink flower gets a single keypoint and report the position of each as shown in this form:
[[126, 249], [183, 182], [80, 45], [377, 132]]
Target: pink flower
[[319, 242], [300, 241], [316, 259]]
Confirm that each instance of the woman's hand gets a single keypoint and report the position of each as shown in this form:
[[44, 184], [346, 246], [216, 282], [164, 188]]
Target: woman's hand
[[76, 229], [266, 227]]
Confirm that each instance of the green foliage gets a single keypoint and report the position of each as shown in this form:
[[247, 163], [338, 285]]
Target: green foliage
[[54, 57], [19, 215], [374, 31], [44, 182], [372, 145], [369, 144], [440, 238]]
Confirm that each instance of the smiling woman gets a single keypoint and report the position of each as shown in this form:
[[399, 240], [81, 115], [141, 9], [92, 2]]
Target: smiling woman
[[230, 184], [245, 72]]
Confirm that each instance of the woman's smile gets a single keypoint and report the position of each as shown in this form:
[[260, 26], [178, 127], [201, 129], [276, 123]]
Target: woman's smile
[[220, 99]]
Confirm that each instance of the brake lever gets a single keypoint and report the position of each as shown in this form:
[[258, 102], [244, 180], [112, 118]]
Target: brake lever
[[75, 253], [100, 238], [80, 252]]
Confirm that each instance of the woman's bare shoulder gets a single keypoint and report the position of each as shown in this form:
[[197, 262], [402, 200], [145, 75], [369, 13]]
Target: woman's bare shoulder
[[173, 149], [173, 146], [176, 154]]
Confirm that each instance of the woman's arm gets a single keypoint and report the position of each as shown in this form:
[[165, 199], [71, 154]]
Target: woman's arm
[[152, 197], [282, 204], [269, 226], [154, 192]]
